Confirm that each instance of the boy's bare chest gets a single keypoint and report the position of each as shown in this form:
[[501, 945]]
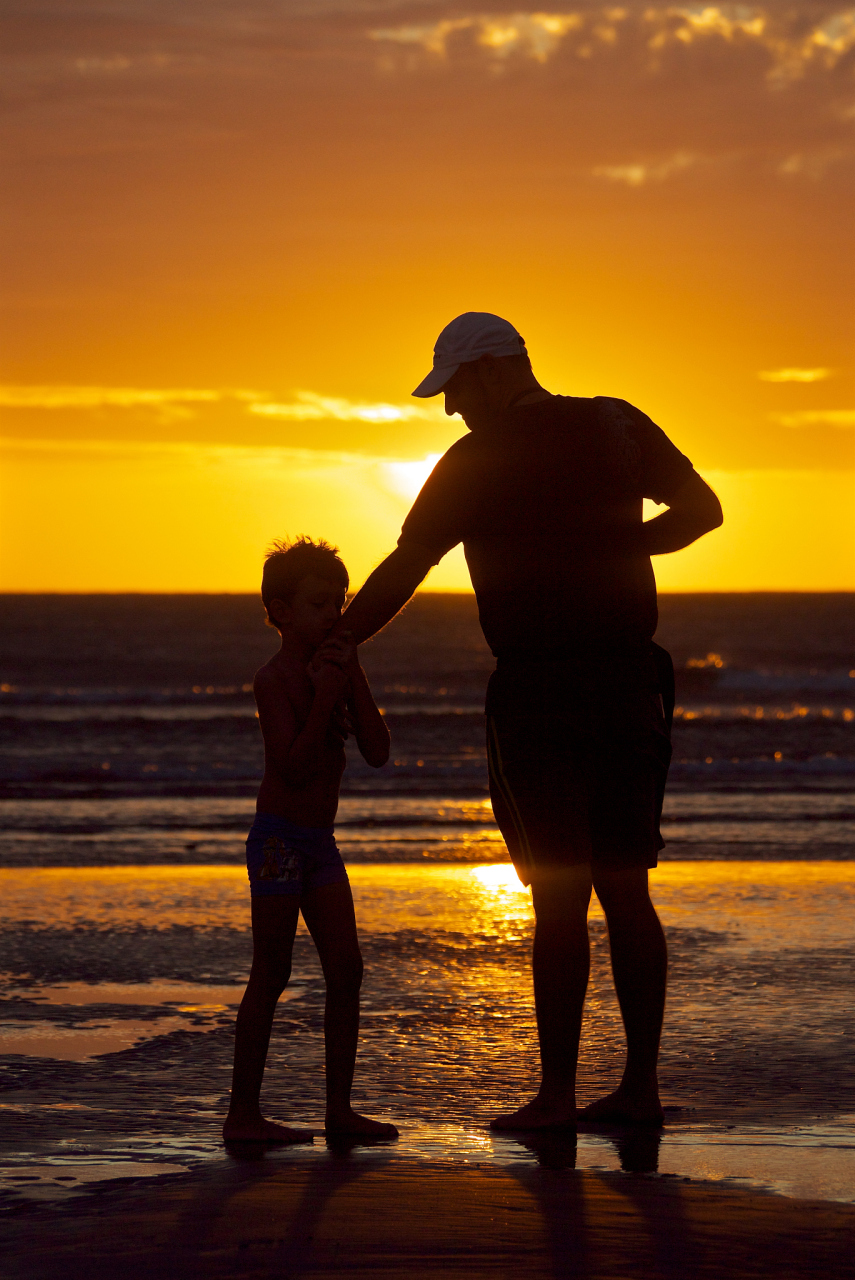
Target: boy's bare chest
[[301, 695]]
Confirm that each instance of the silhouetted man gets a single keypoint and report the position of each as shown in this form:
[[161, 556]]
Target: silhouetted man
[[545, 493]]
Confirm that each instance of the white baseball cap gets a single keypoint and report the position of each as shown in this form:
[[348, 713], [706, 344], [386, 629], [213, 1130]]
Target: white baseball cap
[[474, 334]]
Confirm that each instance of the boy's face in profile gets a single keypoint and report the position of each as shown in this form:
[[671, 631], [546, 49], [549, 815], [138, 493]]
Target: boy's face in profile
[[312, 611]]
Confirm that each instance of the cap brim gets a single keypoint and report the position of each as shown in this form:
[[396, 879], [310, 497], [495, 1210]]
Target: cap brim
[[435, 381]]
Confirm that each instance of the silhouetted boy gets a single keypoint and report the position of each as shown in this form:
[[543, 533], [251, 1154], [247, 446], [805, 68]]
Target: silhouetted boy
[[292, 859]]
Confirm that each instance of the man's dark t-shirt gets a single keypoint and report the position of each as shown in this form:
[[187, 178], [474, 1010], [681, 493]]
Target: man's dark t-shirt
[[547, 502]]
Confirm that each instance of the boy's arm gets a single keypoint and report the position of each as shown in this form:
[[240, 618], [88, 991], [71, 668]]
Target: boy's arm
[[369, 727], [294, 752]]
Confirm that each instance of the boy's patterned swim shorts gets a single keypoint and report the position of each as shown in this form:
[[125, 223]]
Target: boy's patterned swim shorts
[[284, 858]]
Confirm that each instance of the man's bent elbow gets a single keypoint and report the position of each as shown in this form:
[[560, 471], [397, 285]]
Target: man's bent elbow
[[716, 517], [705, 502], [712, 519], [704, 522]]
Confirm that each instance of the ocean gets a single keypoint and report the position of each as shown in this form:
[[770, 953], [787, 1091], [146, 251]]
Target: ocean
[[130, 759], [129, 733]]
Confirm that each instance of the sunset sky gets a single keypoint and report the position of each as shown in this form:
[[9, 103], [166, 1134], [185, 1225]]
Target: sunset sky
[[233, 231]]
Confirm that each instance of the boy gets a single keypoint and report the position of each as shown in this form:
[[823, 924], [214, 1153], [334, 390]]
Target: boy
[[305, 713]]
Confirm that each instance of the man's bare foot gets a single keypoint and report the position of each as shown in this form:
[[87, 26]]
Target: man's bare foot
[[260, 1130], [350, 1124], [539, 1114], [623, 1107]]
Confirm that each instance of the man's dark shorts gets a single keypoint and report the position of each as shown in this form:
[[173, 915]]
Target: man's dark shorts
[[578, 749]]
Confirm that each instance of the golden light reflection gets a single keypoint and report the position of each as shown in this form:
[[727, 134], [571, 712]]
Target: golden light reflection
[[749, 903], [500, 878]]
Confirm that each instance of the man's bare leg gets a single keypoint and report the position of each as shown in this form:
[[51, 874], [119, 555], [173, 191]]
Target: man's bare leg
[[274, 923], [640, 969], [329, 917], [561, 961]]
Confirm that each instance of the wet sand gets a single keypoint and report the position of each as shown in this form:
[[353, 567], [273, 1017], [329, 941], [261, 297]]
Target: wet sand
[[756, 1075], [345, 1217]]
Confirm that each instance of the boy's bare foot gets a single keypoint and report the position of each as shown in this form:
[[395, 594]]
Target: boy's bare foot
[[260, 1130], [623, 1107], [542, 1113], [350, 1124]]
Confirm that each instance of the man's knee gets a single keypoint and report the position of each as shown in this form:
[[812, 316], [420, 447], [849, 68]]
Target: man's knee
[[560, 894], [622, 891]]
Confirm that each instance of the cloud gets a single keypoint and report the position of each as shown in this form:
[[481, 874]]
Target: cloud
[[816, 418], [431, 37], [230, 454], [118, 63], [535, 35], [307, 406], [88, 66], [826, 42], [686, 24], [815, 164], [638, 172], [636, 175], [538, 35], [311, 407], [173, 404], [794, 375], [73, 397]]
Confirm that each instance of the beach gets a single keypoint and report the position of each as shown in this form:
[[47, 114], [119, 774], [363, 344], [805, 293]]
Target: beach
[[122, 1028], [125, 947], [382, 1219]]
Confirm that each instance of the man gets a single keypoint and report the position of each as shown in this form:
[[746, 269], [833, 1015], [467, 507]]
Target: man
[[545, 494]]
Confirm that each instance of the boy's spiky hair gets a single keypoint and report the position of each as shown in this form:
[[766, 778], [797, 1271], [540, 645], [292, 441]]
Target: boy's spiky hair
[[288, 563]]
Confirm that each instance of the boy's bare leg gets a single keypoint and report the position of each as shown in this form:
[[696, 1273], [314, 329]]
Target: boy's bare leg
[[560, 961], [274, 923], [640, 968], [329, 917]]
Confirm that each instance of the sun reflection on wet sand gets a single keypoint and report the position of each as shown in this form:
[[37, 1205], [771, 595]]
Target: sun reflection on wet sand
[[753, 903], [500, 878], [754, 1054]]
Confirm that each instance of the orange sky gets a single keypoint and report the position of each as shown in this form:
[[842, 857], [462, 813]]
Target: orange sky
[[234, 230]]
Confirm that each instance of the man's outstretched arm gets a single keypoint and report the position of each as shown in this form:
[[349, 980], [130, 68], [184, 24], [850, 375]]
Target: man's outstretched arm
[[693, 511], [386, 591]]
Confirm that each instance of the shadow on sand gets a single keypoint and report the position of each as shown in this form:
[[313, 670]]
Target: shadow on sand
[[371, 1212]]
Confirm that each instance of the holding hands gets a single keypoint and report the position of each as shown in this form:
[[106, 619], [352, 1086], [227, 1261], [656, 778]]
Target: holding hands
[[339, 650], [333, 666]]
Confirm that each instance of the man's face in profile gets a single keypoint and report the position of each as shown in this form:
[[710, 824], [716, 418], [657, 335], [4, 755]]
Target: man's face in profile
[[466, 394]]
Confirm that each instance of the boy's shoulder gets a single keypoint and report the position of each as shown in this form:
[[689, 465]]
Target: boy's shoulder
[[278, 676]]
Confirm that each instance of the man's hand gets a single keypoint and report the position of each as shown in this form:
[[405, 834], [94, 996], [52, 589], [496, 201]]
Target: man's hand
[[340, 650], [692, 512], [330, 679]]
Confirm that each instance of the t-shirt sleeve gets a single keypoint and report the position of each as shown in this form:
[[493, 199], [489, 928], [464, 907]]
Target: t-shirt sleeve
[[437, 518], [664, 469]]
